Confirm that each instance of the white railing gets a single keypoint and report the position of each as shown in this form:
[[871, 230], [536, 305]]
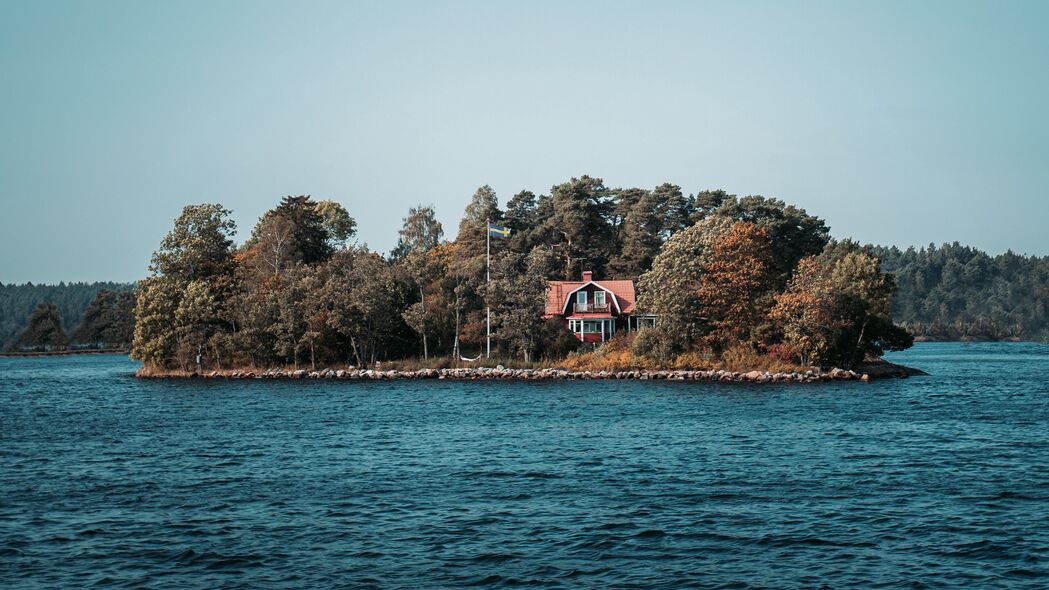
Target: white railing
[[592, 307]]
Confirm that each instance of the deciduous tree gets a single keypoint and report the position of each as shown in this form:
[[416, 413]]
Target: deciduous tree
[[736, 286], [43, 331], [836, 309], [199, 246], [337, 222], [670, 288]]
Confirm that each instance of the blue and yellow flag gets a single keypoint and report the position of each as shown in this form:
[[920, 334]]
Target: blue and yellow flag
[[495, 230]]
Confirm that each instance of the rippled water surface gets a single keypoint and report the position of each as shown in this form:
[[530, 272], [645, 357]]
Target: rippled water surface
[[939, 481]]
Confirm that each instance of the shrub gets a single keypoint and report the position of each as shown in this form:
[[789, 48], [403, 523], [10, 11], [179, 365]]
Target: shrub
[[745, 357], [783, 352], [656, 344], [742, 357], [556, 341], [693, 361]]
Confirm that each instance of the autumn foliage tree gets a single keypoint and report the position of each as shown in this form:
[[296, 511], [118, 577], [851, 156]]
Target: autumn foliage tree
[[670, 290], [735, 289], [835, 310]]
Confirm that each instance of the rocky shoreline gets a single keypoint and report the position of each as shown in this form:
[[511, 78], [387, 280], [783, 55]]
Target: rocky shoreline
[[868, 371]]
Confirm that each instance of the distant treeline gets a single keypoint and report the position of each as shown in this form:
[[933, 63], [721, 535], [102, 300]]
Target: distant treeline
[[68, 307], [956, 292]]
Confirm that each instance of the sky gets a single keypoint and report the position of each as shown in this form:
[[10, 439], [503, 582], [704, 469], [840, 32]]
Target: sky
[[899, 123]]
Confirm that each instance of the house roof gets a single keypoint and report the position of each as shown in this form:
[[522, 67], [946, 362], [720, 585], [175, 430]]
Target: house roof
[[557, 293]]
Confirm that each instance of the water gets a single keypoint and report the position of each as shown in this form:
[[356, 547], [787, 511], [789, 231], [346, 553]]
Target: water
[[939, 481]]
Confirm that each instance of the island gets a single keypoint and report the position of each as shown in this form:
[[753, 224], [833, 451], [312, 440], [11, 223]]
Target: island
[[586, 281]]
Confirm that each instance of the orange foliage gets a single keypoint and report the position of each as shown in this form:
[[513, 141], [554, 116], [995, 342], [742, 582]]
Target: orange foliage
[[735, 288]]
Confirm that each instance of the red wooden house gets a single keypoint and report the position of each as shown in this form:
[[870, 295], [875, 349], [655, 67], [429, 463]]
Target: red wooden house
[[595, 310]]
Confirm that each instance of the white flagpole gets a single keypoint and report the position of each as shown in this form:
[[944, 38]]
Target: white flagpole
[[487, 280]]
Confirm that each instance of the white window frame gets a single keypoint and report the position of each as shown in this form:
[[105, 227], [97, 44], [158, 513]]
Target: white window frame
[[600, 298], [580, 298]]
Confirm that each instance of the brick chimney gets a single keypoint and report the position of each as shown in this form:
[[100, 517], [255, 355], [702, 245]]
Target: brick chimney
[[588, 276]]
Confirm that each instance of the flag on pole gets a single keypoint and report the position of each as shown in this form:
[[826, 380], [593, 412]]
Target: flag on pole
[[495, 230]]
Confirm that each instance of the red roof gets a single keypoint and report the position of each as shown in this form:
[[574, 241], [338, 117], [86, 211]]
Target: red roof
[[557, 293]]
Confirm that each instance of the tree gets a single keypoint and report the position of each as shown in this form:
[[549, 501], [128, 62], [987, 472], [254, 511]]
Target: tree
[[109, 320], [71, 299], [194, 259], [578, 225], [337, 222], [156, 300], [424, 270], [794, 234], [290, 324], [670, 288], [736, 286], [624, 200], [316, 309], [309, 233], [675, 208], [468, 265], [836, 310], [645, 220], [987, 298], [806, 314], [518, 295], [255, 309], [522, 216], [642, 237], [473, 229], [199, 246], [706, 203], [365, 306], [196, 321], [43, 331], [273, 247], [419, 235], [420, 231]]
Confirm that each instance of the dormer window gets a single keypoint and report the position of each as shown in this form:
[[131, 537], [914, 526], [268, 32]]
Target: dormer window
[[580, 298], [599, 298]]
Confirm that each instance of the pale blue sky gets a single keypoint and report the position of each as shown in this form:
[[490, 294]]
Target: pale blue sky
[[898, 122]]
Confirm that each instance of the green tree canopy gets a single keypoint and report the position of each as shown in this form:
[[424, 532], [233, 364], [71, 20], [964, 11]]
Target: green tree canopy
[[199, 246], [578, 225], [473, 230], [337, 222], [420, 232], [43, 331], [108, 321]]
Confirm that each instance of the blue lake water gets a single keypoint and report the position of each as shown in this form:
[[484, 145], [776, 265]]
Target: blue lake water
[[938, 481]]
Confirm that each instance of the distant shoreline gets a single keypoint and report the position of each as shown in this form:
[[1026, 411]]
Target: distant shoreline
[[66, 352]]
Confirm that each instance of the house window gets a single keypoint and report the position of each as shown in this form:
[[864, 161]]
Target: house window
[[580, 297], [599, 298]]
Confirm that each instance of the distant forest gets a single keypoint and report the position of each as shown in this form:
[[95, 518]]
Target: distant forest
[[71, 300], [950, 292], [956, 292]]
